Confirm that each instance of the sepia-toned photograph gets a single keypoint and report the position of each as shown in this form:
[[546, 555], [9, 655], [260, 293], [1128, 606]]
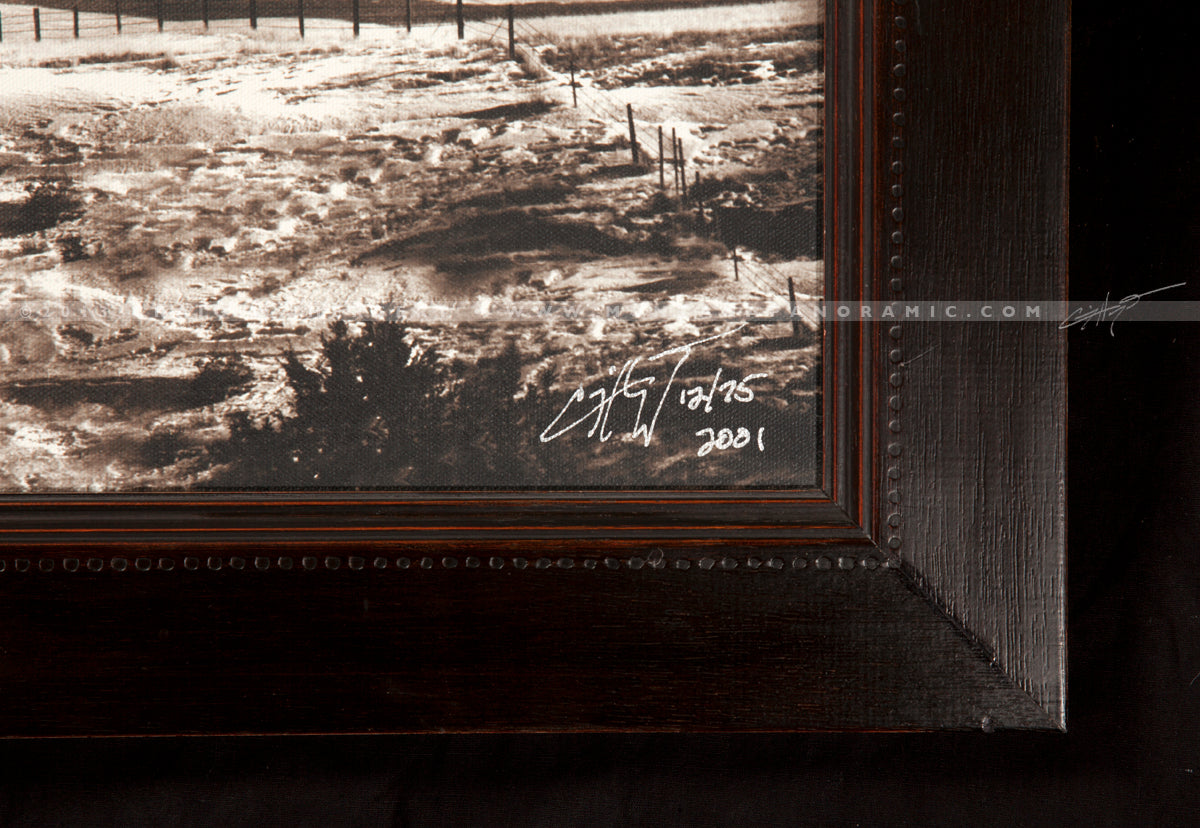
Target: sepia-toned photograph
[[378, 244]]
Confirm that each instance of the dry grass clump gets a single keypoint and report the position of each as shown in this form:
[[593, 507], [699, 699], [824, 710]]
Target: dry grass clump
[[711, 22], [600, 51], [127, 56], [176, 124]]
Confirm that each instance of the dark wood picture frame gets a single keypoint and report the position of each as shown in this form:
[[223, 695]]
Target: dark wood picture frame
[[921, 586]]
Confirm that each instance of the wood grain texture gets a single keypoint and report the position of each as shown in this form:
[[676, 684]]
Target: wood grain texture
[[445, 650], [985, 404]]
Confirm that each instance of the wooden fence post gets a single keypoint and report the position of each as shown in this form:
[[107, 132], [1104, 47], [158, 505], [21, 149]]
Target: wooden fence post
[[117, 10], [37, 25], [300, 16], [75, 21], [512, 34], [633, 144], [253, 14], [574, 99], [158, 11], [792, 302], [736, 259], [675, 160], [458, 12], [662, 172], [408, 16], [204, 11], [354, 14], [682, 173]]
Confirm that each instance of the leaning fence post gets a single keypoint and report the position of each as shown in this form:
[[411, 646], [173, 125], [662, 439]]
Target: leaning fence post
[[354, 14], [117, 10], [792, 302], [253, 14], [37, 25], [675, 160], [158, 10], [633, 145], [75, 21], [682, 173], [300, 16], [458, 12], [512, 35]]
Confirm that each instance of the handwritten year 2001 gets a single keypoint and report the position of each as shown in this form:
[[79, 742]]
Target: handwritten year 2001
[[726, 438]]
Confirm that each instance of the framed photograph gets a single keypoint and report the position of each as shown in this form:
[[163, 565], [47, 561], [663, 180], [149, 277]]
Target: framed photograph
[[425, 366]]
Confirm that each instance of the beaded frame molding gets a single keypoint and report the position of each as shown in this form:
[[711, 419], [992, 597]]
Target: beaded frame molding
[[655, 560]]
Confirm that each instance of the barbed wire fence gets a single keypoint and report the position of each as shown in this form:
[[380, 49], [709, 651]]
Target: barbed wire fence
[[94, 19], [606, 106], [493, 21]]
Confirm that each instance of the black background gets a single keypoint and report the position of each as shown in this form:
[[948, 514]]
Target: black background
[[1132, 753]]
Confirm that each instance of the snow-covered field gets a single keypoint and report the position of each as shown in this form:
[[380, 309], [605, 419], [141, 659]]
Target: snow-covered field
[[178, 214]]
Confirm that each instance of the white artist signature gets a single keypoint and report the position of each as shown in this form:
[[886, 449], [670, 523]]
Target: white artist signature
[[1109, 312], [631, 386]]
